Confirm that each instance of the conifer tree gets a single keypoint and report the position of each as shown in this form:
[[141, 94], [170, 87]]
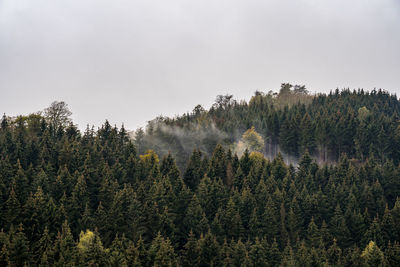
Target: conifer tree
[[392, 254], [307, 139], [288, 258], [19, 248], [226, 254], [65, 249], [208, 248], [217, 169], [13, 208], [21, 184], [313, 234], [165, 255], [258, 254], [239, 253], [194, 170], [195, 219], [91, 249], [374, 233], [274, 254], [387, 226], [43, 251], [339, 227], [334, 254], [190, 252], [269, 222]]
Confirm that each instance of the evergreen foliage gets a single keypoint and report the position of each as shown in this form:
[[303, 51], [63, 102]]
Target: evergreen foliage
[[98, 198]]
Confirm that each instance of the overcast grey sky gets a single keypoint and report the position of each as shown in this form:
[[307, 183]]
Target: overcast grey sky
[[131, 60]]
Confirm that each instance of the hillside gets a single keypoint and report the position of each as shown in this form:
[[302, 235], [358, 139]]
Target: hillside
[[356, 123], [99, 198]]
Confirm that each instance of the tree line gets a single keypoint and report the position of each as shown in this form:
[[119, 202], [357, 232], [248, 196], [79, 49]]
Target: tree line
[[356, 123], [92, 199]]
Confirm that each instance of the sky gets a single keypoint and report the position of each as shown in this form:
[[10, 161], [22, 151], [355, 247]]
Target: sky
[[129, 61]]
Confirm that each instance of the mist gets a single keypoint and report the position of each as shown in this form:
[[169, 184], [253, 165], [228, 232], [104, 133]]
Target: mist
[[182, 141]]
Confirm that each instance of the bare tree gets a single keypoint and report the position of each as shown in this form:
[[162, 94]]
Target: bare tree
[[58, 114], [223, 101]]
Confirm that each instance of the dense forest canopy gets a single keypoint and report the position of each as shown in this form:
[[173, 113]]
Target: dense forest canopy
[[99, 198], [356, 123]]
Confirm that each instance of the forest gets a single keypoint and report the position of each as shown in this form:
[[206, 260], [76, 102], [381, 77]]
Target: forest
[[355, 123], [287, 179]]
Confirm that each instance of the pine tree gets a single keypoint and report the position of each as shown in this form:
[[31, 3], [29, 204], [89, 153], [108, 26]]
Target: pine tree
[[313, 234], [4, 253], [356, 225], [289, 135], [391, 184], [165, 256], [13, 208], [238, 179], [288, 258], [258, 254], [374, 233], [190, 252], [239, 252], [218, 164], [387, 226], [245, 163], [86, 220], [274, 254], [279, 168], [43, 251], [246, 206], [339, 227], [195, 219], [168, 168], [143, 254], [231, 221], [64, 247], [91, 249], [19, 252], [303, 257], [21, 184], [254, 223], [79, 198], [166, 224], [194, 170], [353, 257], [392, 254], [284, 236], [334, 254], [294, 221], [226, 254], [269, 222], [325, 234], [122, 252], [396, 216], [154, 248], [210, 194], [208, 248], [306, 140]]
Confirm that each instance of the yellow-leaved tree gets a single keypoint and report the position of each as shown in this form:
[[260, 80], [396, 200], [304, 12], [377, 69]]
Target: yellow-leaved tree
[[250, 140], [372, 255], [91, 249]]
